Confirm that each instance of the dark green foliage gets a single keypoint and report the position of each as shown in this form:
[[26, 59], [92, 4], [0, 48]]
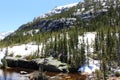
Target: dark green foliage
[[4, 63], [65, 47], [117, 74]]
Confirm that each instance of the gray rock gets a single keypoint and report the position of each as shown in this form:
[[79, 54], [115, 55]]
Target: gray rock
[[50, 25], [47, 64]]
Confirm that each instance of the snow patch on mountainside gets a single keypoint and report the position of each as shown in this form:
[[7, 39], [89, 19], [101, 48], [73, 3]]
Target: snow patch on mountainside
[[58, 10], [66, 6], [89, 38], [4, 34]]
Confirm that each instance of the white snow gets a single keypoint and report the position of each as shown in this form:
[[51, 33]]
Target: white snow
[[22, 50], [93, 64], [25, 49], [4, 34], [91, 67], [66, 6], [1, 56], [58, 10], [90, 37], [116, 70], [31, 32], [85, 68]]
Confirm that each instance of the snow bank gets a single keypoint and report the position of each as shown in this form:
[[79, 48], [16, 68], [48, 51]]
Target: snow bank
[[91, 67], [93, 64], [88, 37], [22, 50]]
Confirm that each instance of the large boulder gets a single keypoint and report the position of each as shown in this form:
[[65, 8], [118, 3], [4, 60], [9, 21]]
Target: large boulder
[[22, 63], [51, 64], [46, 64]]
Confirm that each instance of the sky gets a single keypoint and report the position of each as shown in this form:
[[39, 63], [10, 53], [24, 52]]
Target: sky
[[14, 13]]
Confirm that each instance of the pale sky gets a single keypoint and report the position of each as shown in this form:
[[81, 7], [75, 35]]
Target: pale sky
[[14, 13]]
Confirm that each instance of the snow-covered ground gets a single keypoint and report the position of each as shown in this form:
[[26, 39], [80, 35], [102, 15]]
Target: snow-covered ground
[[91, 67], [89, 38], [22, 50]]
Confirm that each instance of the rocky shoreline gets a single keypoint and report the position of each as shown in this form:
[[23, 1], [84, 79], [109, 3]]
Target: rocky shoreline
[[47, 64], [42, 65], [41, 69], [36, 75]]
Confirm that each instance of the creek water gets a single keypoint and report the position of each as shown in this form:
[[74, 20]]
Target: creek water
[[67, 76], [14, 74]]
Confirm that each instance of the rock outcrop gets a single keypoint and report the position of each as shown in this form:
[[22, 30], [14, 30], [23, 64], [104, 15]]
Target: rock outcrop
[[46, 64], [49, 25]]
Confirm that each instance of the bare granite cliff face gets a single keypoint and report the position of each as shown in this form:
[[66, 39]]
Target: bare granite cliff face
[[49, 25]]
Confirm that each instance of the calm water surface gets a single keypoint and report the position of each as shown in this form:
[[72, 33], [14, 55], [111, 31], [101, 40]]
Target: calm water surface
[[69, 76], [14, 74]]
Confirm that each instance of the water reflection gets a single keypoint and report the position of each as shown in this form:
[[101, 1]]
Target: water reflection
[[4, 74], [8, 74], [65, 76], [12, 74]]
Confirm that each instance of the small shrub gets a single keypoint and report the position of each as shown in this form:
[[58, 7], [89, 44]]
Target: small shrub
[[98, 74], [117, 74], [94, 56], [28, 57], [11, 55], [42, 77], [26, 48], [4, 63], [31, 56], [18, 56], [0, 65]]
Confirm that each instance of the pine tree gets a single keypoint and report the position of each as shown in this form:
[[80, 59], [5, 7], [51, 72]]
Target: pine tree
[[83, 57]]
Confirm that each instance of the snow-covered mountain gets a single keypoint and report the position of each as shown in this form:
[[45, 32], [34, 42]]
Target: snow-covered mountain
[[4, 34], [58, 10], [82, 12]]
